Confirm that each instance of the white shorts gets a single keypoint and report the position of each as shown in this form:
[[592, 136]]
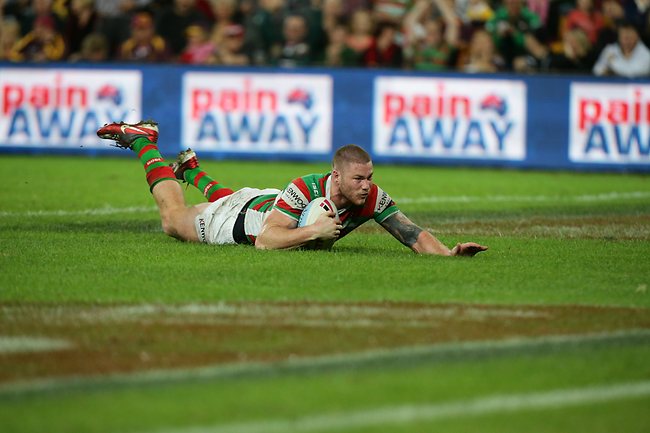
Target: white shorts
[[215, 224]]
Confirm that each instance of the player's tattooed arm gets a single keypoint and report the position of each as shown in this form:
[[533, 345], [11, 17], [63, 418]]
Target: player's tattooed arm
[[402, 229], [423, 242]]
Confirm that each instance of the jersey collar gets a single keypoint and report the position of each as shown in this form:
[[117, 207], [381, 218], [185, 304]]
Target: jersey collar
[[328, 186]]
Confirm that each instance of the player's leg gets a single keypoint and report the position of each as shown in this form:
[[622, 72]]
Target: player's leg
[[186, 168], [176, 217]]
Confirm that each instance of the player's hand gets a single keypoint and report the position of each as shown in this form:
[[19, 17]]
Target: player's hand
[[328, 226], [468, 249]]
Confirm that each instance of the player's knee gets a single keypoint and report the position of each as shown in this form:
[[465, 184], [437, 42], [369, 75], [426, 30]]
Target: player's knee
[[169, 225]]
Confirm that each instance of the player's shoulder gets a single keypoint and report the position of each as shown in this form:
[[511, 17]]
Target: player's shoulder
[[378, 202], [310, 185], [314, 177]]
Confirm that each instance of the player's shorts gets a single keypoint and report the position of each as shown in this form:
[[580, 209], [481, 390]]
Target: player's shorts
[[215, 224]]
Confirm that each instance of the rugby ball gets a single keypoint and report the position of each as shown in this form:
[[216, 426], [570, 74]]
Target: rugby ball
[[310, 214]]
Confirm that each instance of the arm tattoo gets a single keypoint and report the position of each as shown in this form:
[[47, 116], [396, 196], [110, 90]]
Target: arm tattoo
[[402, 229]]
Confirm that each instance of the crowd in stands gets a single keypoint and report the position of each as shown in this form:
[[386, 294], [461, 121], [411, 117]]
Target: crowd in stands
[[601, 37]]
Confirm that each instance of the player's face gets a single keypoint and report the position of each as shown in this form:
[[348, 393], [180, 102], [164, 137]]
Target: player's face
[[355, 181]]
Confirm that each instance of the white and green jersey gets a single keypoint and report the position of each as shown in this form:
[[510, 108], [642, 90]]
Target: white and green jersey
[[293, 199]]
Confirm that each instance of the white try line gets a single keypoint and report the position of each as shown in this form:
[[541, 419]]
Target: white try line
[[584, 198], [411, 413], [376, 357]]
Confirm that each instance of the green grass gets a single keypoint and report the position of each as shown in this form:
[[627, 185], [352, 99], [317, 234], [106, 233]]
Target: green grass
[[291, 396], [125, 257], [554, 238]]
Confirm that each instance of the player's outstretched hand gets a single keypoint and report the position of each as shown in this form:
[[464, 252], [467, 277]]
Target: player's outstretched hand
[[468, 249]]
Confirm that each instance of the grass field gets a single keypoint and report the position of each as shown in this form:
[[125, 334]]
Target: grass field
[[107, 325]]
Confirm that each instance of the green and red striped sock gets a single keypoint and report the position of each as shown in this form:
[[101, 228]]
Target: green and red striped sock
[[211, 189], [154, 164]]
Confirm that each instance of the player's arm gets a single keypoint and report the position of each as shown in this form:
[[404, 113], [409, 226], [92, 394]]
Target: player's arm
[[423, 242], [279, 231]]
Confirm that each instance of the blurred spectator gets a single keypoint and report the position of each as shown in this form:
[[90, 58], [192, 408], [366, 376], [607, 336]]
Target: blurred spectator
[[576, 55], [420, 34], [114, 20], [81, 22], [384, 52], [265, 29], [317, 36], [204, 7], [434, 52], [360, 37], [9, 35], [432, 41], [144, 45], [414, 23], [518, 36], [200, 50], [539, 8], [333, 14], [587, 18], [94, 48], [481, 56], [224, 12], [295, 50], [234, 50], [613, 14], [42, 44], [174, 20], [338, 52], [637, 12], [629, 57], [39, 8], [473, 12], [390, 10], [351, 6], [117, 8]]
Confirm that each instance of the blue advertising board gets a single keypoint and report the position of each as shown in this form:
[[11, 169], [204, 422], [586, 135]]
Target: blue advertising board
[[537, 121]]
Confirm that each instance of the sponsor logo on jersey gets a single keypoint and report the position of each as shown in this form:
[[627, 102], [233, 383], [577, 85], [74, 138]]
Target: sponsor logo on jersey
[[294, 197], [257, 113], [315, 190], [610, 123], [65, 107], [383, 202], [450, 118], [202, 230]]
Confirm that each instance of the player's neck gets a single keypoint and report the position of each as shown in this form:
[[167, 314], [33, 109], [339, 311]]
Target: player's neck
[[340, 201]]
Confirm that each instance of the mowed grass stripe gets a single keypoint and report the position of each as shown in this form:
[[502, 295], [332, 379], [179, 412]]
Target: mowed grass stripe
[[109, 210], [604, 197], [406, 414], [27, 344], [448, 352]]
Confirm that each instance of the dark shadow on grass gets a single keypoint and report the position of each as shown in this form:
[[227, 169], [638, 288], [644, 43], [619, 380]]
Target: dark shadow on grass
[[120, 226]]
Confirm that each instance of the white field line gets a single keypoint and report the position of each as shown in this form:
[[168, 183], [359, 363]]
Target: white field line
[[410, 413], [461, 350], [263, 314], [27, 344], [603, 197]]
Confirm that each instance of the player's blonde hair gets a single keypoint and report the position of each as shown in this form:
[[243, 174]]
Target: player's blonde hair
[[350, 153]]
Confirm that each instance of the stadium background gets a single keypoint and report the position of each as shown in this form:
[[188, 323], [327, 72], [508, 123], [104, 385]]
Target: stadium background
[[107, 325]]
